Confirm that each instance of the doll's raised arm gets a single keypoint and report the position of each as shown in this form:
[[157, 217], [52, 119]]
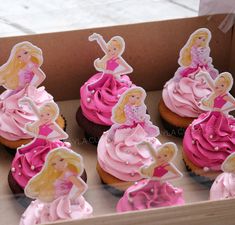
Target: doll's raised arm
[[101, 42], [27, 100], [207, 78], [150, 149]]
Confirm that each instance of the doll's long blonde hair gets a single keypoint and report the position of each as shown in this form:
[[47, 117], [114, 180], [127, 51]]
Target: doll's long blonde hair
[[10, 70], [118, 115], [168, 148], [185, 53], [42, 185], [229, 164], [119, 43], [228, 79]]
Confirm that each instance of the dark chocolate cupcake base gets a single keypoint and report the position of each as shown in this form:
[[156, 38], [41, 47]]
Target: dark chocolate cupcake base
[[93, 131]]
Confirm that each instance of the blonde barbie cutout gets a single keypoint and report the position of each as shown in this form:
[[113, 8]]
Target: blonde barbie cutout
[[9, 71], [185, 53], [227, 80], [42, 185], [229, 164], [119, 115], [118, 42]]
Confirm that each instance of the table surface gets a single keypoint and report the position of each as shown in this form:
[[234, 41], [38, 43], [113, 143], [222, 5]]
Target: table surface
[[102, 201], [20, 17]]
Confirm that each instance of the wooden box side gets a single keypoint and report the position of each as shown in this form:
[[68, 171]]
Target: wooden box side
[[151, 48]]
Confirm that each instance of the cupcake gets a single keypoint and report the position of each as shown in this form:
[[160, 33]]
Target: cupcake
[[119, 156], [224, 185], [20, 76], [210, 139], [102, 91], [58, 190], [154, 191], [181, 94], [29, 159]]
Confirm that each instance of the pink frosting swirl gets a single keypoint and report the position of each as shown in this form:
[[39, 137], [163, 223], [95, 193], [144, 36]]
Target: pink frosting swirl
[[147, 194], [60, 209], [183, 96], [30, 159], [210, 140], [97, 103], [121, 157], [13, 117], [223, 187]]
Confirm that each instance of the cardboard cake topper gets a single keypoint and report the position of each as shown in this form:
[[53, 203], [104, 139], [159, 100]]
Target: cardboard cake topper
[[228, 166], [112, 62], [195, 55], [220, 100], [45, 127], [59, 176], [130, 111], [22, 67], [162, 162]]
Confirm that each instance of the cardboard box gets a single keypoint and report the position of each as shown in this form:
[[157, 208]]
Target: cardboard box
[[152, 50]]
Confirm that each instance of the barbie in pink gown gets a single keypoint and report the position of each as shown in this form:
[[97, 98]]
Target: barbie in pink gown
[[29, 159]]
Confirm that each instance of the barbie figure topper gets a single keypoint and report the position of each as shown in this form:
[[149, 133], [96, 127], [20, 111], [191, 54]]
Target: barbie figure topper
[[111, 64], [47, 134], [130, 111], [153, 190], [58, 190], [224, 185], [22, 68], [195, 55], [220, 95]]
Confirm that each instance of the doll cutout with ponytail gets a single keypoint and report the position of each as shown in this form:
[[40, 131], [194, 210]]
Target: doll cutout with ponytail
[[58, 186], [30, 158], [154, 190]]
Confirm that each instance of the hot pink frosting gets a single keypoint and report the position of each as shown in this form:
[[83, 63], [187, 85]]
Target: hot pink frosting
[[13, 117], [183, 96], [60, 209], [223, 187], [30, 159], [97, 104], [121, 157], [210, 140], [147, 194]]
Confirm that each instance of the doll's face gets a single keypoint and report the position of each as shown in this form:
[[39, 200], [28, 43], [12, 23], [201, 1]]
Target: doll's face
[[220, 86], [164, 156], [201, 40], [59, 163], [113, 49], [135, 99], [46, 115], [23, 56]]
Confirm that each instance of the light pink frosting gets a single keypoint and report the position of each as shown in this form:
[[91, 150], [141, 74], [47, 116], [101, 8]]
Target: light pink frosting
[[97, 104], [13, 117], [60, 209], [147, 194], [183, 96], [30, 159], [223, 187], [121, 157], [210, 140]]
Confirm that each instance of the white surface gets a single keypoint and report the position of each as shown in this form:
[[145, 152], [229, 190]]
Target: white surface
[[19, 17]]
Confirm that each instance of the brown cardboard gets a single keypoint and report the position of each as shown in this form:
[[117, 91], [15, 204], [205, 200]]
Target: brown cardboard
[[151, 49]]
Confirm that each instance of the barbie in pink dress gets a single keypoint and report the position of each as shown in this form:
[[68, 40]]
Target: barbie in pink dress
[[154, 191], [58, 190], [183, 92], [20, 75], [30, 158], [211, 137], [102, 91]]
